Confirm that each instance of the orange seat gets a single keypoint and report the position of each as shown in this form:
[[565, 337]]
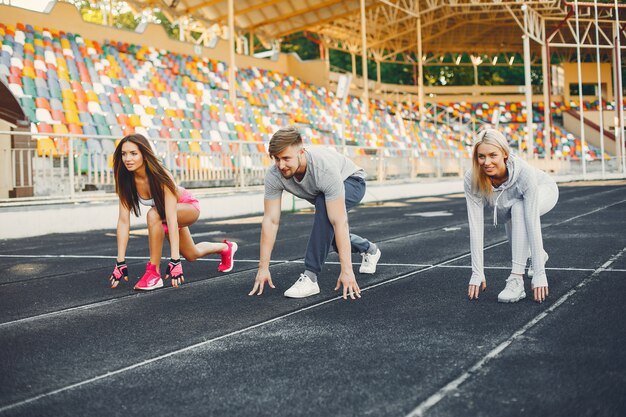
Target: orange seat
[[122, 119], [42, 103]]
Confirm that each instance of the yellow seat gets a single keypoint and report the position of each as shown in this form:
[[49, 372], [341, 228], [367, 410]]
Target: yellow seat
[[72, 117], [92, 96], [150, 110], [69, 105], [28, 47], [59, 128], [29, 72], [68, 94], [193, 162], [135, 120], [46, 147], [195, 147]]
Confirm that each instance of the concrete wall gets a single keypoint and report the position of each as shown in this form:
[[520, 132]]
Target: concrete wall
[[592, 135], [589, 76]]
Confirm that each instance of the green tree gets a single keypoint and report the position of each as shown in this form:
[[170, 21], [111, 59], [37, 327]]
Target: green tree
[[301, 44], [172, 30]]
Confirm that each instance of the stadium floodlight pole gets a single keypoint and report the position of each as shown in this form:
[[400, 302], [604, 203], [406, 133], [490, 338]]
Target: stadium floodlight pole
[[364, 60], [528, 86], [595, 9], [71, 167], [619, 126], [420, 67], [581, 104], [547, 108], [231, 52]]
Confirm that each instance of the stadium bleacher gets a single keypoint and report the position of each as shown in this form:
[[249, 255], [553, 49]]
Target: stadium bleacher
[[69, 84]]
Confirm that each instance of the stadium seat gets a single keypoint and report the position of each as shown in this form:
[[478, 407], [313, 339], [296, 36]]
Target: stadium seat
[[46, 147]]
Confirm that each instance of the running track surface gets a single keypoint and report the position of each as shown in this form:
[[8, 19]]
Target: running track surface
[[413, 345]]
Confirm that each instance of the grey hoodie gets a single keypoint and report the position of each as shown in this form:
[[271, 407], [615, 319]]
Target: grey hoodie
[[522, 185]]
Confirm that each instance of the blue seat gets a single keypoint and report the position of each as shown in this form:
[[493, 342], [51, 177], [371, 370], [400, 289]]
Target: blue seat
[[85, 118], [90, 130]]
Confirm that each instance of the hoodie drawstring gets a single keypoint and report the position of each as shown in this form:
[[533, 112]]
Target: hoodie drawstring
[[495, 209]]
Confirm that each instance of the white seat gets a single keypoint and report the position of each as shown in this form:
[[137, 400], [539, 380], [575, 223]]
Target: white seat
[[223, 126], [146, 120], [139, 110], [40, 65], [215, 136], [19, 37], [94, 107], [43, 115], [16, 89], [142, 131], [50, 57], [164, 103], [7, 48], [144, 100], [98, 88], [17, 62], [134, 84]]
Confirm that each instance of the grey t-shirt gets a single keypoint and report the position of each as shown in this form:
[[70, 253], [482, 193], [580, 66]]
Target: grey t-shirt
[[326, 171]]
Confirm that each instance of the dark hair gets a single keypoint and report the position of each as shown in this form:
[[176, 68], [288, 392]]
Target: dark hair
[[158, 177], [282, 139]]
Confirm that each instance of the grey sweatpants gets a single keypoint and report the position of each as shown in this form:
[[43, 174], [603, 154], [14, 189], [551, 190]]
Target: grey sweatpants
[[548, 194], [323, 234]]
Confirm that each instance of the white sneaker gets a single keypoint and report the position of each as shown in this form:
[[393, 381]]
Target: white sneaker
[[531, 270], [368, 266], [514, 290], [303, 287]]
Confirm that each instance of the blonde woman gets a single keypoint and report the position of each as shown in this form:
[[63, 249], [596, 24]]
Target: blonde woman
[[141, 179], [519, 195]]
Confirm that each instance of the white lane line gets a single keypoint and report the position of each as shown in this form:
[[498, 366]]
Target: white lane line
[[431, 401], [205, 343], [130, 257], [588, 213], [300, 261]]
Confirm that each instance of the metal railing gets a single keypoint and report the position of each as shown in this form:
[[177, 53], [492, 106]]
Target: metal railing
[[81, 167]]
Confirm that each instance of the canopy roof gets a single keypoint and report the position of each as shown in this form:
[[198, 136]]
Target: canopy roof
[[476, 27]]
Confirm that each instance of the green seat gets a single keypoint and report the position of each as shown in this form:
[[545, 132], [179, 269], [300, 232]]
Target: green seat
[[103, 129], [99, 119], [183, 145]]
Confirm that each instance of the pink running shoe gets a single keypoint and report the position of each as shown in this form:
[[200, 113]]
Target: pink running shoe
[[151, 280], [228, 257]]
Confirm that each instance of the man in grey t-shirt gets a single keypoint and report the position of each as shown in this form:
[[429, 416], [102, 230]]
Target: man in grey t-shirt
[[333, 184]]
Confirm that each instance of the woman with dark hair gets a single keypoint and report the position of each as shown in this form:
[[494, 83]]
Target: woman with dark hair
[[519, 195], [141, 179]]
